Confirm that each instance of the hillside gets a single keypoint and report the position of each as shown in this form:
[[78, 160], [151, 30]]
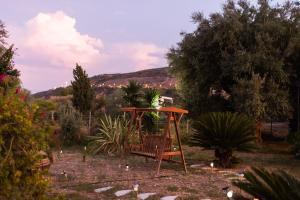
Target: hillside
[[104, 83]]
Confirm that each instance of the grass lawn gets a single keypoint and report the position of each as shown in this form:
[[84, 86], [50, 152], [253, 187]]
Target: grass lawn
[[200, 183]]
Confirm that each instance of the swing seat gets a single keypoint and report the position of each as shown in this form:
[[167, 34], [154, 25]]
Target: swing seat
[[150, 147]]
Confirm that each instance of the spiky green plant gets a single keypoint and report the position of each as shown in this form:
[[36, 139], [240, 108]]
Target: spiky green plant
[[224, 132], [265, 185], [151, 99], [110, 138]]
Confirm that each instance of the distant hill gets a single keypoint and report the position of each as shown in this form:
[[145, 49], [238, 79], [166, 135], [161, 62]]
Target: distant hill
[[105, 83]]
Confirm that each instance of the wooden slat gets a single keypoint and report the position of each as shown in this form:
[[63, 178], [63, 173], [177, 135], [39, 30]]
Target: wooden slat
[[171, 153], [161, 109]]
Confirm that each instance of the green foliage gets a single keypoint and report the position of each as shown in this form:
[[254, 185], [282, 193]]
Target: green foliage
[[110, 138], [151, 99], [21, 138], [234, 48], [294, 139], [83, 94], [3, 33], [248, 98], [70, 122], [132, 94], [265, 185], [45, 109], [224, 132], [6, 62]]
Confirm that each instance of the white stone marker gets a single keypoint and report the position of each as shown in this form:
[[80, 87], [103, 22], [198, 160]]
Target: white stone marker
[[169, 198], [144, 196], [122, 192], [99, 190]]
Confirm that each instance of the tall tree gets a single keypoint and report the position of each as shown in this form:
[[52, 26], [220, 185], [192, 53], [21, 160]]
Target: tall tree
[[235, 48], [83, 94], [6, 55]]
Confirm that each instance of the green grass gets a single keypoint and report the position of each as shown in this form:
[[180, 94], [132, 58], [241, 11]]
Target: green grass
[[84, 187], [76, 196]]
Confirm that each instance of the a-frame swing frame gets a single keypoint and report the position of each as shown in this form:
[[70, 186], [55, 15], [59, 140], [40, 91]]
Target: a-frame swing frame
[[174, 116]]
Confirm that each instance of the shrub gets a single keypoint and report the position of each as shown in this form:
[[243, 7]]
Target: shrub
[[265, 185], [294, 139], [224, 132], [110, 138], [21, 138], [70, 123]]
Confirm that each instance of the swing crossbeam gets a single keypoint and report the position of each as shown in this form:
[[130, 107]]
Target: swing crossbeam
[[158, 147]]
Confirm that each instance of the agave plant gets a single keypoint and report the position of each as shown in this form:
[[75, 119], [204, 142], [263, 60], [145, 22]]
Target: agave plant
[[110, 138], [224, 132], [264, 185]]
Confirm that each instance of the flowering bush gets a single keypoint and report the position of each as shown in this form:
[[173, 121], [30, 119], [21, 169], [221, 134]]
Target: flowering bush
[[21, 138]]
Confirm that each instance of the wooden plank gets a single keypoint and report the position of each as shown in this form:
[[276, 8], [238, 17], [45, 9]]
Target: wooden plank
[[179, 142], [171, 153], [161, 109]]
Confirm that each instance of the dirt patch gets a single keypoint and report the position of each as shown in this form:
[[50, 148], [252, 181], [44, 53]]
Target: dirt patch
[[71, 176], [76, 179]]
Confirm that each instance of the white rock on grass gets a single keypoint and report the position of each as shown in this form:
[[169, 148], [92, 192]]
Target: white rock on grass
[[99, 190], [122, 192], [197, 165], [144, 196], [169, 198]]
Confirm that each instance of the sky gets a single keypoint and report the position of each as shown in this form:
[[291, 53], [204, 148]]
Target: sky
[[103, 36]]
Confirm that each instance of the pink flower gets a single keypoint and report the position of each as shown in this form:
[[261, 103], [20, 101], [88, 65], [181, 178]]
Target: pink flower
[[18, 89], [2, 77]]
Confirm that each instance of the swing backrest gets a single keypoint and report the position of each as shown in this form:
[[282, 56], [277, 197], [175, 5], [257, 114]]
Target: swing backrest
[[152, 143]]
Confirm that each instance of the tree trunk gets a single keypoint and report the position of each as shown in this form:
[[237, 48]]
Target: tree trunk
[[224, 157]]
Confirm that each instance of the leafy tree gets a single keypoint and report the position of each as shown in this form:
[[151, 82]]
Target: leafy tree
[[133, 93], [6, 55], [3, 33], [263, 184], [235, 48], [225, 133], [70, 122], [22, 135], [6, 62], [21, 139], [83, 94], [114, 102]]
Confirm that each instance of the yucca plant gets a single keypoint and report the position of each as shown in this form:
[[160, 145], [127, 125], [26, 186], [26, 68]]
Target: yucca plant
[[265, 185], [224, 132], [110, 138]]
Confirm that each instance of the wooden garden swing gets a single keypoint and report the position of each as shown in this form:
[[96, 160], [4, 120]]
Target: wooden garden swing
[[157, 146]]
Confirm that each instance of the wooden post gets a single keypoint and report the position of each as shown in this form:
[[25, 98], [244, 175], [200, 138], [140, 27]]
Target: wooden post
[[162, 146], [179, 142]]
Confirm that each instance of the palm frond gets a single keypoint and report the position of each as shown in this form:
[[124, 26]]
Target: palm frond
[[263, 184]]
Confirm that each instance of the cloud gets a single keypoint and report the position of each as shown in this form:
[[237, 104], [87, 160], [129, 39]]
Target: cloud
[[49, 43], [53, 37], [139, 55]]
